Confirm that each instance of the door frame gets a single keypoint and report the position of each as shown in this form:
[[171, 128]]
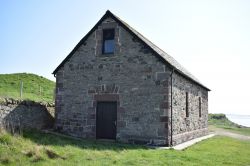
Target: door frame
[[116, 104]]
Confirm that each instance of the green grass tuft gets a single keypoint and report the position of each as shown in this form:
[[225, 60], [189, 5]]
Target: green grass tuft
[[5, 159], [5, 138]]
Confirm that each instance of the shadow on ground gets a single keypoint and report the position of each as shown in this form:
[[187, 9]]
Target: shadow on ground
[[54, 140]]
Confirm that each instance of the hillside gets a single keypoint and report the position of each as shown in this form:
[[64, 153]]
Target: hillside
[[35, 87], [221, 121]]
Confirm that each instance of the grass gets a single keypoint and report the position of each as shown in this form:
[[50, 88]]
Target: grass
[[36, 88], [36, 148], [221, 121]]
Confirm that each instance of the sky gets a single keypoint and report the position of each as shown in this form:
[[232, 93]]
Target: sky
[[210, 38]]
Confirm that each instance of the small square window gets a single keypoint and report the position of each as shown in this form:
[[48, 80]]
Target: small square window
[[108, 45]]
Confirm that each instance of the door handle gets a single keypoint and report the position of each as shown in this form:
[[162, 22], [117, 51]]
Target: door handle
[[115, 122]]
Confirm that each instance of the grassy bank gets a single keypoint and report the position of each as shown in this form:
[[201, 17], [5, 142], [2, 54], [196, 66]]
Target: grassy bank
[[35, 148], [221, 121], [35, 87]]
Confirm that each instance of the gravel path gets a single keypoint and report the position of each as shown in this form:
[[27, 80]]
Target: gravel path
[[223, 132]]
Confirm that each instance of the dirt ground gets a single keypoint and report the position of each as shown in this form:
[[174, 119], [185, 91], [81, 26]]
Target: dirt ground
[[220, 131]]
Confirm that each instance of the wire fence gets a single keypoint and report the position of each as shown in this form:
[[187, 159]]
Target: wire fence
[[27, 90]]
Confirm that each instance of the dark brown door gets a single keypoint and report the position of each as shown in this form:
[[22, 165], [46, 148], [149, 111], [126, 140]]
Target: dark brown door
[[106, 120]]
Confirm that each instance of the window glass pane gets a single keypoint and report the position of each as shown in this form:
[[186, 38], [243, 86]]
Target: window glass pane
[[108, 41], [109, 46]]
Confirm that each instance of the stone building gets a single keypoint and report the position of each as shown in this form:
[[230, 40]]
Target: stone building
[[116, 84]]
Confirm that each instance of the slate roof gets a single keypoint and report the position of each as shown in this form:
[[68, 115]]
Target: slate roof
[[161, 54]]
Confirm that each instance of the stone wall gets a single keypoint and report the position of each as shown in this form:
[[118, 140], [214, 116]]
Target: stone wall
[[21, 114], [131, 76], [195, 125], [140, 84]]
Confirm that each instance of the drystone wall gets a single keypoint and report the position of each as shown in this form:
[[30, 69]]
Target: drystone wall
[[20, 114]]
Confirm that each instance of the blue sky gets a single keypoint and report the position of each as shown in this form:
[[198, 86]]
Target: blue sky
[[210, 38]]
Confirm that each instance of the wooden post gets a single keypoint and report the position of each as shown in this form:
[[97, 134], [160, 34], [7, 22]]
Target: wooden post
[[21, 89], [40, 90]]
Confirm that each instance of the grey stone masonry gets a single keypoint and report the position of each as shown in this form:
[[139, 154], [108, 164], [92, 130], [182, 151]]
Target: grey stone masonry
[[135, 78], [21, 114], [195, 124]]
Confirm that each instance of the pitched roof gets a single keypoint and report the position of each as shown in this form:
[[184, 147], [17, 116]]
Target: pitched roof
[[159, 52]]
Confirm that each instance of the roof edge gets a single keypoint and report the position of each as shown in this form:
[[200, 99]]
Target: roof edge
[[109, 14]]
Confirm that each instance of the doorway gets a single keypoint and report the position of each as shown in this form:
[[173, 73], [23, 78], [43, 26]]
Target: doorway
[[106, 119]]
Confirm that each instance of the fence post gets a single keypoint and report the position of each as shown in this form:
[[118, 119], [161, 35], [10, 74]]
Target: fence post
[[21, 89], [40, 90]]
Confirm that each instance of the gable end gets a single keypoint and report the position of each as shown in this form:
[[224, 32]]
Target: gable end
[[157, 51]]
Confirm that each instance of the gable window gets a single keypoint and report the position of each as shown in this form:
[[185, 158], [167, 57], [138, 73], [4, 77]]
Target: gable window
[[199, 106], [187, 105], [108, 45]]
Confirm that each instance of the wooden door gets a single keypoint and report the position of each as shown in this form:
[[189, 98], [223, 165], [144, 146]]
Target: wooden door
[[106, 120]]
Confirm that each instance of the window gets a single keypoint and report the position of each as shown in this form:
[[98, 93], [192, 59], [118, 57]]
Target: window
[[187, 105], [199, 106], [108, 45]]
